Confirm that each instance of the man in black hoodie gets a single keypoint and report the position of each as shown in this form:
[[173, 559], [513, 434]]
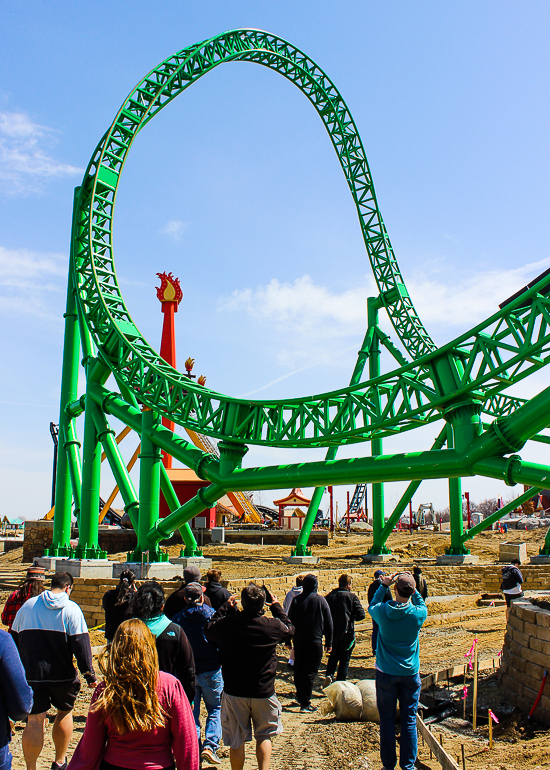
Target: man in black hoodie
[[345, 609], [214, 590], [310, 615], [247, 642]]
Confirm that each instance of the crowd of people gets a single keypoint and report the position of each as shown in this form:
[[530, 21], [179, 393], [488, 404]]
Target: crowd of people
[[166, 657]]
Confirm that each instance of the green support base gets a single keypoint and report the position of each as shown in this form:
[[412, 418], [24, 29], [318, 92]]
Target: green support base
[[379, 550], [189, 553], [545, 550], [301, 550], [89, 553], [64, 550], [153, 555], [458, 551]]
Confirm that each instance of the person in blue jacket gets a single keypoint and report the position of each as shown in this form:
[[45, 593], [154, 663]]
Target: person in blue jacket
[[15, 695], [209, 681], [398, 665]]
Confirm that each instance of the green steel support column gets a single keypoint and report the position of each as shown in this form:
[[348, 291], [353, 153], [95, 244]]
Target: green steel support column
[[72, 447], [106, 436], [409, 492], [545, 550], [455, 507], [88, 544], [378, 541], [190, 547], [231, 457], [61, 545], [302, 548], [149, 491], [490, 520], [205, 498]]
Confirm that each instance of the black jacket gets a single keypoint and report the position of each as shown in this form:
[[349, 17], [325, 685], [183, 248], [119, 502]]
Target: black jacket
[[345, 609], [176, 603], [310, 615], [115, 614], [217, 594], [247, 643], [175, 653]]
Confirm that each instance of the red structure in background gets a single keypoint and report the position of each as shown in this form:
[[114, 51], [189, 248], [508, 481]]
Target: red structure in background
[[185, 482], [296, 498], [170, 295]]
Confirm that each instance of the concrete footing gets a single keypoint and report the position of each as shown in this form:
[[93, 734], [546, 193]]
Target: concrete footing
[[302, 559], [86, 568], [376, 558], [163, 570], [455, 559], [48, 562], [192, 561], [540, 559]]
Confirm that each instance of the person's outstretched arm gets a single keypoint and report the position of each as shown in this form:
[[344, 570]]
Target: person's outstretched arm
[[421, 611], [375, 607], [79, 643], [15, 692]]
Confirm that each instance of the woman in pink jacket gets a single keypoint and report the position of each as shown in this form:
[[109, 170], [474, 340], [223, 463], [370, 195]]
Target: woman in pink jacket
[[139, 718]]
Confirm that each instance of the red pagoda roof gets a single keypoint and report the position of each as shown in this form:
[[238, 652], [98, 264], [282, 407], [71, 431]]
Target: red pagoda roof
[[296, 497]]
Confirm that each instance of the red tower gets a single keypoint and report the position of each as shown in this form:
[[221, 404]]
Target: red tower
[[170, 295]]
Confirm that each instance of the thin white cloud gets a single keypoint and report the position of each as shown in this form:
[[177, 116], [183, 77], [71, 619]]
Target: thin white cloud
[[174, 229], [463, 302], [306, 308], [29, 280], [24, 159], [312, 310]]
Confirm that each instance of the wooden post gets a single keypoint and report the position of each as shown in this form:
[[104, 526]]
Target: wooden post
[[474, 701], [463, 757], [490, 729]]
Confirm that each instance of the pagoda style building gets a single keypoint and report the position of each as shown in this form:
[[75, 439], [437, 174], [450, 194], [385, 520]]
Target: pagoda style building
[[296, 501]]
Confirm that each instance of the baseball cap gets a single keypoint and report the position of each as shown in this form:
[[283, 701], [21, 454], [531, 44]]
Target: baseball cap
[[405, 584], [192, 593], [191, 575], [379, 573]]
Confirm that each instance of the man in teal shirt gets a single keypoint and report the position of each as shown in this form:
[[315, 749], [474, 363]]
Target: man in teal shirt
[[397, 665]]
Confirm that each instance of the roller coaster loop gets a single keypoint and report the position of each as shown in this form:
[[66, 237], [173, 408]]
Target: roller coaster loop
[[456, 383]]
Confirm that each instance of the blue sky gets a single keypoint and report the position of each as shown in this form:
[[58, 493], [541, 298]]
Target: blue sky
[[236, 189]]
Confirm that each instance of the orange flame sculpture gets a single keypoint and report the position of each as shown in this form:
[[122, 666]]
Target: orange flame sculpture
[[201, 380], [169, 289]]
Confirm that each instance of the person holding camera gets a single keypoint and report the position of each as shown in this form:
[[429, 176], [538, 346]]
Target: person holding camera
[[373, 588], [398, 665], [247, 643]]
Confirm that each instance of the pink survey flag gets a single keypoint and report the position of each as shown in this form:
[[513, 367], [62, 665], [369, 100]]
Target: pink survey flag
[[493, 717]]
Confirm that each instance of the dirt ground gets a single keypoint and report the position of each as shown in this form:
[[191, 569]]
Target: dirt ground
[[316, 742]]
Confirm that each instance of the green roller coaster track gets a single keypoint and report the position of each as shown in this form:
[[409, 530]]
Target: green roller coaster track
[[456, 383]]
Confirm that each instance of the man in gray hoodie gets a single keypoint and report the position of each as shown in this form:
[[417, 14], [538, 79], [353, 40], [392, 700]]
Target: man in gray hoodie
[[49, 630]]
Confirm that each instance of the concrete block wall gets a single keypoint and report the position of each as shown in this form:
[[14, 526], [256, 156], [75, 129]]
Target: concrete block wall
[[467, 579], [525, 657]]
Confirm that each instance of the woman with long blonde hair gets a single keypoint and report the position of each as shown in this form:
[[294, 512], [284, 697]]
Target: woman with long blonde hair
[[139, 718]]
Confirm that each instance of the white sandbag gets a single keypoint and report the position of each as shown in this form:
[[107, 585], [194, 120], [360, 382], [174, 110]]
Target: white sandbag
[[367, 688], [344, 700]]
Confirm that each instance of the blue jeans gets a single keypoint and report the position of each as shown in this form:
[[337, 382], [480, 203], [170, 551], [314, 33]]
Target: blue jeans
[[389, 691], [209, 686], [5, 758]]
